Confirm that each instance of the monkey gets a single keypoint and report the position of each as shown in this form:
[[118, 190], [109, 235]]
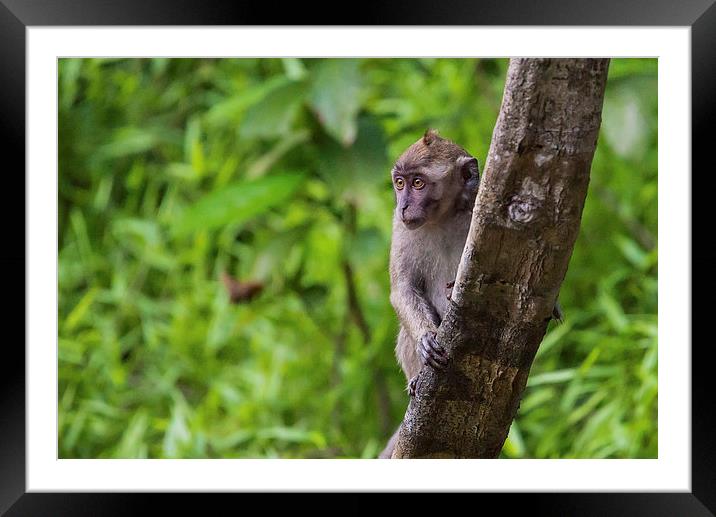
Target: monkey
[[435, 183]]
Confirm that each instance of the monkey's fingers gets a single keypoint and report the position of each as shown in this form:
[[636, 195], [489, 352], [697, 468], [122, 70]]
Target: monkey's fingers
[[412, 386], [432, 353], [430, 342], [431, 360]]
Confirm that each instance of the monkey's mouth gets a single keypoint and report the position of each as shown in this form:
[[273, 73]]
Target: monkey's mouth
[[412, 224]]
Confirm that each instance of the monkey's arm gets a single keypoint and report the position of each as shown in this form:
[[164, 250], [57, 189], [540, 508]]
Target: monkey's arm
[[420, 320], [414, 310]]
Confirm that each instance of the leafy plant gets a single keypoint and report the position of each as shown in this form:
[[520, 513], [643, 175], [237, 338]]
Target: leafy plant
[[174, 172]]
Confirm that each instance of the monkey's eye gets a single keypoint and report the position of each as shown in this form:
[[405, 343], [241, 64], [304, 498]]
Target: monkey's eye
[[399, 183], [418, 183]]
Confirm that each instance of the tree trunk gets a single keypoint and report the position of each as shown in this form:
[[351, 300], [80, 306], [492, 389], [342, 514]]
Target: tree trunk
[[524, 225]]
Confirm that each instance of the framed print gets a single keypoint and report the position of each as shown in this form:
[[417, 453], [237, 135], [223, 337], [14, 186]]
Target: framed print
[[207, 229]]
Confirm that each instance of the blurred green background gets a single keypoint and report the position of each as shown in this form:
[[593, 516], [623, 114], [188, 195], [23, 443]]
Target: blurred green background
[[224, 227]]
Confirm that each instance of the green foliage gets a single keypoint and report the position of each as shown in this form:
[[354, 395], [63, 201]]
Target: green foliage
[[174, 171]]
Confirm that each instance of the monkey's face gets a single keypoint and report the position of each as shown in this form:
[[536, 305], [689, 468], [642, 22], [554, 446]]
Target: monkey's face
[[418, 199], [433, 178]]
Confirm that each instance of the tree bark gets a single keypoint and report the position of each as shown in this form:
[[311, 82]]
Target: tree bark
[[524, 225]]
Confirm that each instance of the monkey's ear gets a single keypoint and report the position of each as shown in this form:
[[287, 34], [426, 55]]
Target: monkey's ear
[[468, 167], [429, 136]]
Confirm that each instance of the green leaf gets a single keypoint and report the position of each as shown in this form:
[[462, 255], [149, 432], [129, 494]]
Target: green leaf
[[294, 68], [632, 252], [274, 114], [514, 445], [283, 146], [556, 376], [80, 310], [292, 434], [613, 311], [132, 443], [69, 75], [177, 434], [335, 97], [127, 141], [362, 163], [237, 203], [231, 109]]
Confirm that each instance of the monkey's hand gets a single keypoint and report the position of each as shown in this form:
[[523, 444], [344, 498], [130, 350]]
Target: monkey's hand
[[412, 386], [449, 287], [432, 352]]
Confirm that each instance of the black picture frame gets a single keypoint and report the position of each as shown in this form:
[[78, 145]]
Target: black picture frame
[[17, 15]]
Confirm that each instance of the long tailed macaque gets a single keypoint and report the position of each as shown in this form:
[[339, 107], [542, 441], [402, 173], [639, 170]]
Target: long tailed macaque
[[435, 183]]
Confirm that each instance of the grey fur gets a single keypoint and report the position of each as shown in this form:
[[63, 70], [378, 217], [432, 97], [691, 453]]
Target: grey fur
[[424, 260]]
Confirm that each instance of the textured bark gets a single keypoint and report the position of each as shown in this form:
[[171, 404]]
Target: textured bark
[[523, 230]]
